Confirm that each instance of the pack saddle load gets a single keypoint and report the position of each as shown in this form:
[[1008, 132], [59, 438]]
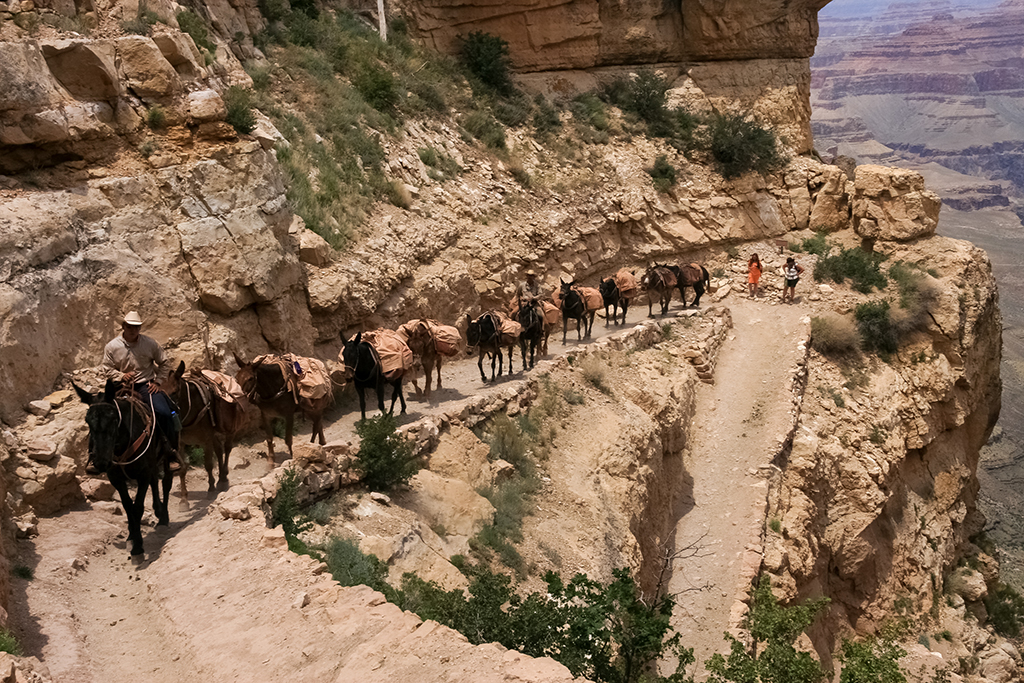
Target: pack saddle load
[[307, 378], [508, 329], [395, 355], [592, 298], [447, 339], [626, 283]]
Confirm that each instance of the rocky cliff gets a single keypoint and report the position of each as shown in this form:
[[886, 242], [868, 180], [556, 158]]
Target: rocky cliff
[[195, 231]]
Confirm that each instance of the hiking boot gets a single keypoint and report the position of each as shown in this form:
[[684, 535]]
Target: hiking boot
[[91, 469]]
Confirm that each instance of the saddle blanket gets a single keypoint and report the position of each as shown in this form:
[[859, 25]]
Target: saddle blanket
[[225, 386], [395, 355], [626, 283]]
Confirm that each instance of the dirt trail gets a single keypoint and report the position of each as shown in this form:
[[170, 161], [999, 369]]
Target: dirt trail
[[739, 423], [208, 595], [91, 616]]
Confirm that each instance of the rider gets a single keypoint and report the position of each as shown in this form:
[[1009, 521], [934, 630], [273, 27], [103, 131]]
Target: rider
[[138, 361]]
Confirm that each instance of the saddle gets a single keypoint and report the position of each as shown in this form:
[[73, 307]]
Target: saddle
[[508, 329], [592, 299], [665, 276], [305, 378], [446, 339], [626, 283]]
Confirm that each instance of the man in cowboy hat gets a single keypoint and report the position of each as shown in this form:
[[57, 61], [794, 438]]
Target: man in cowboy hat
[[133, 359], [532, 288]]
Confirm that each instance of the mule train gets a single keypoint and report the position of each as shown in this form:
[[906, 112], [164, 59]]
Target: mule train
[[126, 444]]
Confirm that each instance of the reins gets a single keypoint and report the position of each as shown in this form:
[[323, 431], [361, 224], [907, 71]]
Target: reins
[[137, 404]]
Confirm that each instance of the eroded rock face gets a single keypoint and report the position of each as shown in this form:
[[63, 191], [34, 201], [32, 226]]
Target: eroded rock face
[[877, 498], [202, 248], [893, 204]]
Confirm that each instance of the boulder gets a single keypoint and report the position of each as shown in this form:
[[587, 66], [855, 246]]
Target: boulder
[[266, 133], [86, 68], [893, 204], [148, 73], [206, 105], [831, 210], [314, 249]]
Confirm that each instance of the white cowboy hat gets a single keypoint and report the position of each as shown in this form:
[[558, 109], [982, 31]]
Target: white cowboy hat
[[132, 318], [531, 271]]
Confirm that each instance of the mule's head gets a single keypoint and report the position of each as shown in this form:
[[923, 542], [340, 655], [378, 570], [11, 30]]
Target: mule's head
[[103, 420], [473, 331], [565, 287], [246, 375], [607, 288], [171, 385], [350, 351]]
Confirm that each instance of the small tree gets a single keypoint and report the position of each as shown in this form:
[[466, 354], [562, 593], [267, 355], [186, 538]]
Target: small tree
[[773, 629], [385, 456], [871, 661], [238, 102], [739, 145], [487, 58]]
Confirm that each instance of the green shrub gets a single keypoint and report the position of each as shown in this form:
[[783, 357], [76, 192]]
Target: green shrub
[[428, 155], [610, 633], [815, 245], [260, 76], [833, 334], [385, 456], [285, 510], [1005, 607], [546, 119], [378, 86], [861, 267], [192, 24], [22, 571], [775, 525], [662, 173], [238, 102], [588, 109], [156, 117], [773, 629], [487, 58], [739, 145], [507, 441], [195, 456], [273, 10], [513, 111], [521, 175], [352, 567], [877, 332], [871, 661], [9, 643], [484, 128]]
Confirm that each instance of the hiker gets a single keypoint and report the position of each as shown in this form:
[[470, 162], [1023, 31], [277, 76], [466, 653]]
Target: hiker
[[791, 271], [138, 361], [754, 270]]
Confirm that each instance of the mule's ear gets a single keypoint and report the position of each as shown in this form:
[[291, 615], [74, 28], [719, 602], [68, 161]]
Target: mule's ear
[[469, 318], [238, 361], [83, 395], [110, 391], [180, 371], [359, 337]]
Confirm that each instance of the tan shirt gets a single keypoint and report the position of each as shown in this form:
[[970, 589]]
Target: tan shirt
[[526, 291], [144, 357]]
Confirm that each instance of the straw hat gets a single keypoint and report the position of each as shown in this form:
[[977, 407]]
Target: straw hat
[[530, 272], [133, 318]]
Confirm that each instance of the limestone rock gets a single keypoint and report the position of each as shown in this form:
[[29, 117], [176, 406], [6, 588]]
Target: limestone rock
[[451, 503], [98, 489], [40, 408], [87, 68], [893, 204], [146, 70], [206, 105], [314, 249], [236, 509]]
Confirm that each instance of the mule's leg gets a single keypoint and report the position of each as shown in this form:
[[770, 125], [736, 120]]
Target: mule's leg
[[625, 307], [380, 393], [590, 322], [438, 360], [565, 327], [222, 462], [209, 455], [396, 391], [580, 326], [362, 401], [268, 429], [613, 307], [650, 306], [523, 343], [133, 512], [160, 504], [289, 424], [698, 290], [480, 365]]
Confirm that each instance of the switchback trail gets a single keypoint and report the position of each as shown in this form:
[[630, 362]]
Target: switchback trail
[[739, 424]]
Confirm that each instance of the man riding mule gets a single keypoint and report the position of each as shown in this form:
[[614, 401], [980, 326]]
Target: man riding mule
[[138, 362]]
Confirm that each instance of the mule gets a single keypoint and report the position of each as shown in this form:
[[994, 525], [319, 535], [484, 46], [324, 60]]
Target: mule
[[531, 317], [658, 282], [265, 383], [125, 444], [575, 308], [613, 300], [362, 360], [207, 421], [692, 275], [485, 334], [421, 342]]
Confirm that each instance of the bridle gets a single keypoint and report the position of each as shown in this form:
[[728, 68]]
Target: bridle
[[135, 402]]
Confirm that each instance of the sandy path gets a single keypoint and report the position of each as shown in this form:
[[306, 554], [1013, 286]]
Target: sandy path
[[739, 423], [92, 617]]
